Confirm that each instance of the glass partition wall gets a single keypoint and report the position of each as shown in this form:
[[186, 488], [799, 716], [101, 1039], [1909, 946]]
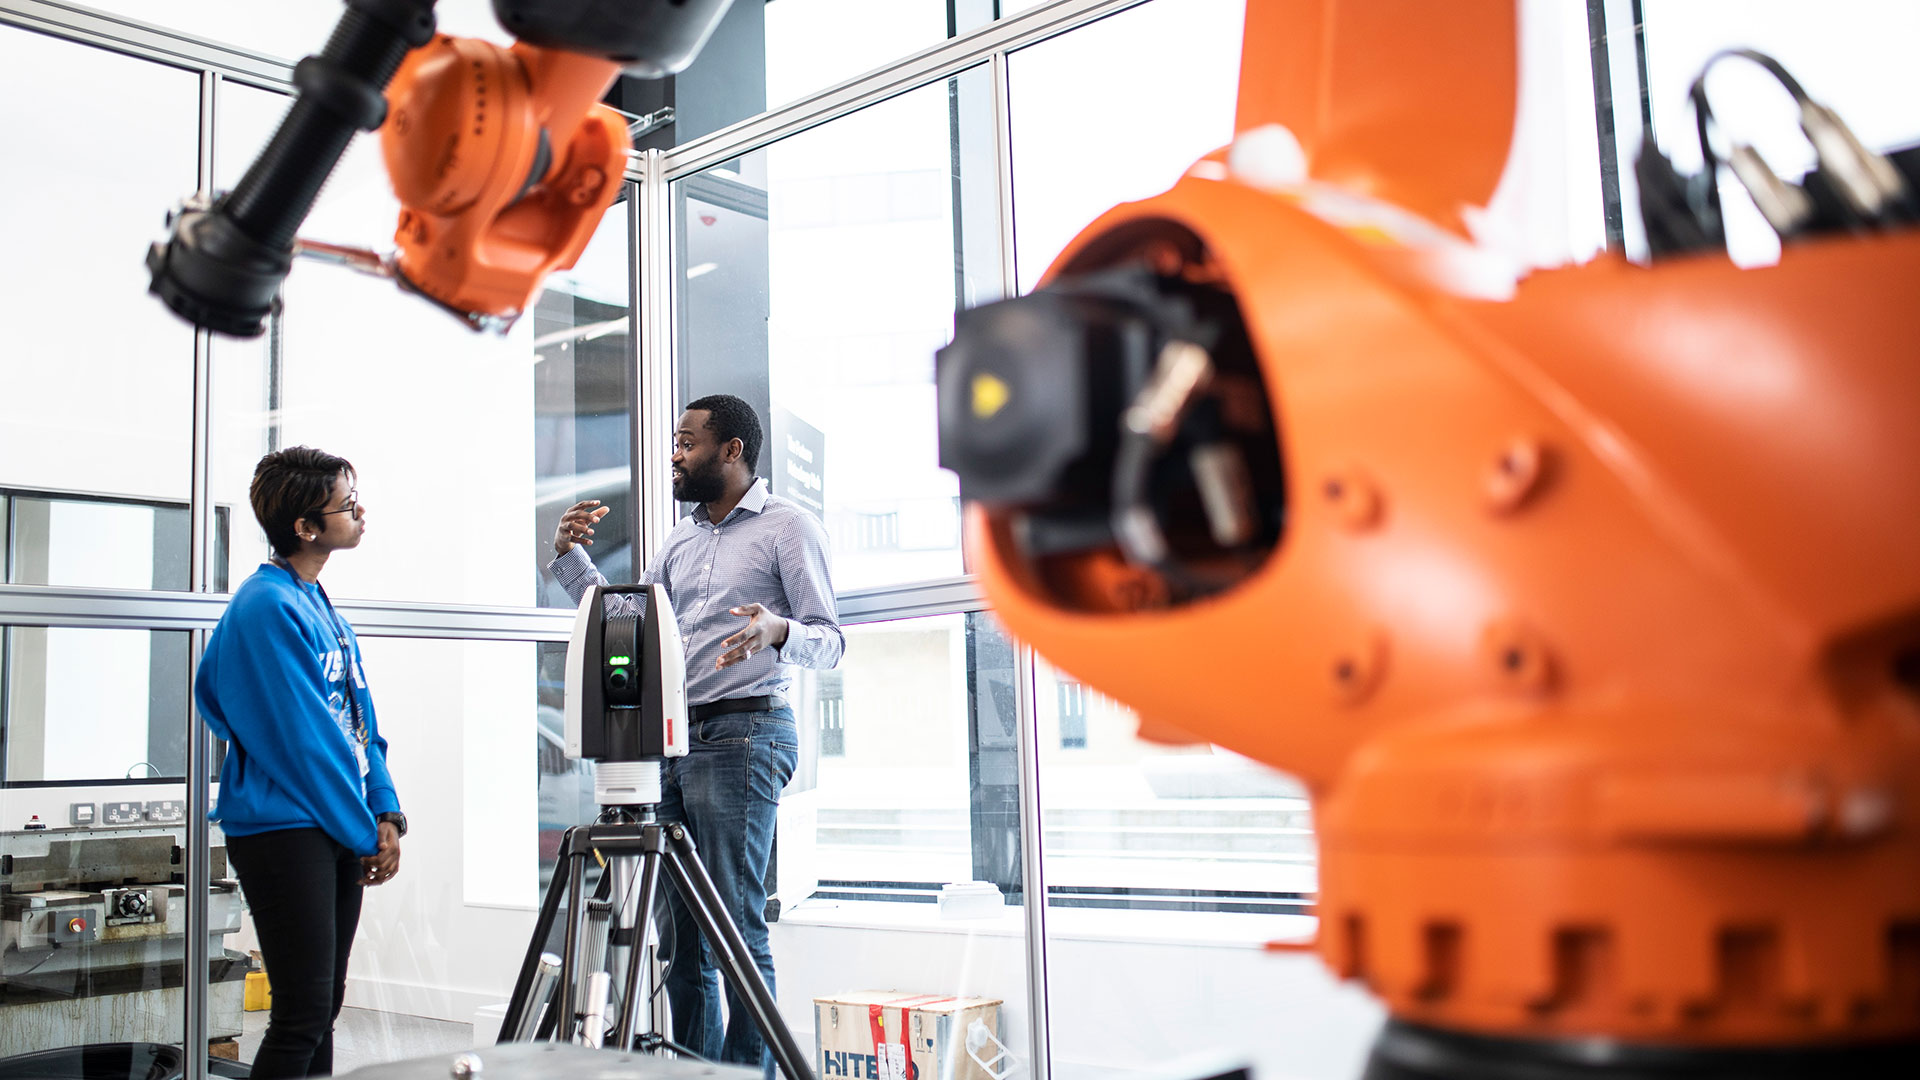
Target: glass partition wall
[[966, 822], [96, 419], [814, 275], [816, 256], [127, 447]]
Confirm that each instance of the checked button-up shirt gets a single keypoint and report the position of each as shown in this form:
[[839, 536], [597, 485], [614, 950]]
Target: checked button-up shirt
[[769, 551]]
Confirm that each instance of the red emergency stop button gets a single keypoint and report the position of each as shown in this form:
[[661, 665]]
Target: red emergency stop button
[[76, 925]]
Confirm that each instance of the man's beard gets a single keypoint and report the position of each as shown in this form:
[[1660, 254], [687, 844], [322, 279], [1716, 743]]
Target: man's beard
[[701, 487]]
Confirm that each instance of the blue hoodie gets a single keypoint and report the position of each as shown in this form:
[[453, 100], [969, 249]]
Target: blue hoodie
[[273, 684]]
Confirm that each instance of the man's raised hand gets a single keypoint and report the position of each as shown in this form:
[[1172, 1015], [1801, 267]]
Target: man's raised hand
[[576, 525]]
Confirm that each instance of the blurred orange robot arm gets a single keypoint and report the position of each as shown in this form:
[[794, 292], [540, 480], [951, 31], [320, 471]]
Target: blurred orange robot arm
[[1586, 603]]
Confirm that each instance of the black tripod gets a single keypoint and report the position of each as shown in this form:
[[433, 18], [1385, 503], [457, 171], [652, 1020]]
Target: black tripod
[[622, 835]]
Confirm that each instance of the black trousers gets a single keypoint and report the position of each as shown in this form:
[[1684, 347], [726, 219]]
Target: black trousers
[[303, 889]]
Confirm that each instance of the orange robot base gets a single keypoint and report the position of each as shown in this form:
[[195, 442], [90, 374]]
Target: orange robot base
[[1595, 630], [1595, 625]]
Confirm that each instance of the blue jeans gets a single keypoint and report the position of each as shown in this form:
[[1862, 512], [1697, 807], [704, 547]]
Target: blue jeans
[[725, 791]]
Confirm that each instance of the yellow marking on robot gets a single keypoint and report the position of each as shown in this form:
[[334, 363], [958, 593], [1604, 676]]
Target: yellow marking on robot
[[990, 395]]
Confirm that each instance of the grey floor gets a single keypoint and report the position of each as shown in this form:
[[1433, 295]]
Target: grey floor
[[364, 1037]]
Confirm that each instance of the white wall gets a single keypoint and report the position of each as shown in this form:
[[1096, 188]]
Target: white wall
[[447, 935], [96, 381]]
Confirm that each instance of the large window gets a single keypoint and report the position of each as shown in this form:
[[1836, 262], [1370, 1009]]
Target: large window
[[582, 402], [1134, 824], [95, 468], [816, 278], [96, 380], [458, 439], [904, 769], [84, 704], [467, 446], [92, 907], [1089, 132], [813, 44], [924, 792], [55, 538]]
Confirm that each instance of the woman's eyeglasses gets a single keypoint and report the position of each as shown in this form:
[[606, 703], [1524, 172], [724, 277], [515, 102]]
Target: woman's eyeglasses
[[351, 506]]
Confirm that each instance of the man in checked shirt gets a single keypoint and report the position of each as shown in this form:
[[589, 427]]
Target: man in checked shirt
[[746, 556]]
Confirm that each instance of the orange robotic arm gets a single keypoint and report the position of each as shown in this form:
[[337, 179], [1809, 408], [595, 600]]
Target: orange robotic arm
[[502, 157], [503, 161], [1587, 605]]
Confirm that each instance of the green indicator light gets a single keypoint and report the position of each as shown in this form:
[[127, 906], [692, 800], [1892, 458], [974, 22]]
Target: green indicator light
[[619, 659]]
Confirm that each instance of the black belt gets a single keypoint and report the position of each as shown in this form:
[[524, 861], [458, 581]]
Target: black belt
[[729, 706]]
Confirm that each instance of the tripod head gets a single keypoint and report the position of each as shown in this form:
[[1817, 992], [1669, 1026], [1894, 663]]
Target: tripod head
[[626, 691]]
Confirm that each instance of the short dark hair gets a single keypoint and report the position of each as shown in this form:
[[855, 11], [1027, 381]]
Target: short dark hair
[[728, 417], [290, 484]]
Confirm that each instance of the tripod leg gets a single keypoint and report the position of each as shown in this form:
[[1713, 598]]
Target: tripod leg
[[616, 923], [570, 956], [731, 952], [545, 980], [593, 1018], [549, 1021], [521, 1004], [633, 1000]]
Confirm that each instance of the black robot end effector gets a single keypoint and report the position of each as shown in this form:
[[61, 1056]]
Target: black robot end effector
[[215, 276], [1031, 389], [1122, 408], [223, 263]]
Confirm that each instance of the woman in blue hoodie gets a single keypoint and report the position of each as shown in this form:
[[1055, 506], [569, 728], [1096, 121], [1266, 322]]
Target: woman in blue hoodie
[[306, 802]]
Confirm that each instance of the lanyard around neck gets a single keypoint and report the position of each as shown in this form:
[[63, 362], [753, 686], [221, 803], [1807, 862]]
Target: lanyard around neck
[[325, 607]]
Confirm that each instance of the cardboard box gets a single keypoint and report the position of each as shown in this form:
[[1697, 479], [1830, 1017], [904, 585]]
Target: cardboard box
[[920, 1036]]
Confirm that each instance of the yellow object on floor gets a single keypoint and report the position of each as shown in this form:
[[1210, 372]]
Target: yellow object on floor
[[259, 995]]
